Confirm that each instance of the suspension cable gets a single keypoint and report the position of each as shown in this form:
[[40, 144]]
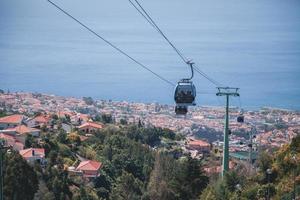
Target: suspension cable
[[149, 19], [112, 45]]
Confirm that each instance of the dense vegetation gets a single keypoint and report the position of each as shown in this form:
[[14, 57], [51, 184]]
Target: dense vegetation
[[138, 163], [245, 184], [20, 179]]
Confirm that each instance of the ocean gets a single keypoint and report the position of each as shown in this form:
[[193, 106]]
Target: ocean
[[253, 45]]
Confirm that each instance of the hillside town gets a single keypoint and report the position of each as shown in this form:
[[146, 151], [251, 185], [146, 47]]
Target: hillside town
[[30, 119]]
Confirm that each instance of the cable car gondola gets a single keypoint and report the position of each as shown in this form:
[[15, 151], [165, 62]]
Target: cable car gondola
[[240, 118], [185, 94]]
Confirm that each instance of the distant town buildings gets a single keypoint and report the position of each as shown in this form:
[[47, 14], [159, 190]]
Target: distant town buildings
[[274, 127]]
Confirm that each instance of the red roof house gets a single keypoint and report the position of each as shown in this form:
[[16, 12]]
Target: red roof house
[[33, 154], [10, 121], [89, 168], [22, 130], [90, 127], [39, 121], [11, 141], [199, 145]]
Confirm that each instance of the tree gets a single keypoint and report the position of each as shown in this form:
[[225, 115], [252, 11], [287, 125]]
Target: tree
[[106, 118], [20, 180], [127, 188], [58, 183], [62, 136], [264, 161], [208, 193], [29, 141], [74, 138], [43, 193], [103, 185], [194, 180], [231, 180], [160, 186], [123, 121], [3, 113]]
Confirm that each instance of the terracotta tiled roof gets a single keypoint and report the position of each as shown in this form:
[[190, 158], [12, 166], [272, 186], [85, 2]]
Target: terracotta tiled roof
[[27, 153], [42, 119], [89, 165], [12, 119], [91, 124], [12, 141], [7, 137], [199, 143], [21, 129]]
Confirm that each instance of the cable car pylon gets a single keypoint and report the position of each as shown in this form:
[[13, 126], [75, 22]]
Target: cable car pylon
[[226, 91]]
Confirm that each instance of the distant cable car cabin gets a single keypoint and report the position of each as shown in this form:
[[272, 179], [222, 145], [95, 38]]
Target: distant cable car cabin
[[240, 118]]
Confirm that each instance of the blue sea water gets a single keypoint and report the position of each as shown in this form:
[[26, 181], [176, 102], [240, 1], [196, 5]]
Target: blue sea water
[[251, 44]]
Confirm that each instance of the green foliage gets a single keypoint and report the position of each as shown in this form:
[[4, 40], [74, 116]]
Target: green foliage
[[106, 118], [264, 162], [43, 193], [284, 164], [251, 191], [125, 154], [232, 179], [29, 141], [20, 180], [54, 117], [85, 193], [57, 181], [149, 136], [103, 184], [127, 187], [295, 145], [174, 179], [3, 113], [62, 137], [131, 168], [123, 121]]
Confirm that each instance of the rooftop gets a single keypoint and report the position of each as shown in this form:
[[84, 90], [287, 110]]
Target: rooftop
[[89, 165], [26, 153], [12, 119], [92, 124]]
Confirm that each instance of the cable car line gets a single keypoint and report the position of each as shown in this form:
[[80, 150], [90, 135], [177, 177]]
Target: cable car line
[[145, 14], [216, 83], [112, 45], [142, 14], [149, 19]]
